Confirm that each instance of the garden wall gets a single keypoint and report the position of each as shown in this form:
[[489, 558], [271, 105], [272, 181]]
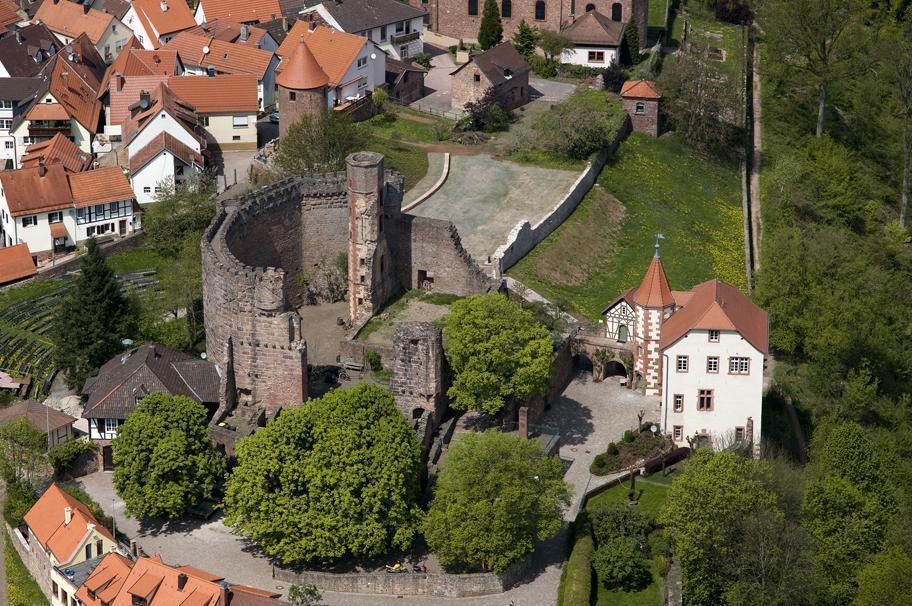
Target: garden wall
[[34, 558], [411, 583], [524, 236]]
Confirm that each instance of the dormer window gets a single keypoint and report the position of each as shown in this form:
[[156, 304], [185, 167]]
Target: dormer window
[[714, 336]]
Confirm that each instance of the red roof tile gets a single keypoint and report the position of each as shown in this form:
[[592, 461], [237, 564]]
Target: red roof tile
[[106, 580], [223, 56], [128, 94], [224, 94], [46, 520], [15, 263], [174, 18], [108, 184], [654, 291], [641, 89], [242, 11], [164, 142], [335, 51], [28, 192], [57, 150], [301, 70], [70, 19], [9, 13], [47, 111]]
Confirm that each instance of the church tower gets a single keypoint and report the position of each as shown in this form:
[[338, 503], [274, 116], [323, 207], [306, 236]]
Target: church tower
[[653, 305]]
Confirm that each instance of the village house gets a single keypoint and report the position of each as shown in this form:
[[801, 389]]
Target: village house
[[500, 68], [11, 14], [640, 99], [226, 105], [155, 22], [52, 211], [57, 150], [97, 582], [123, 381], [16, 264], [60, 532], [404, 81], [68, 20], [239, 11], [209, 56], [701, 353], [395, 27], [323, 68], [237, 33], [14, 94], [66, 102], [164, 141], [24, 51], [55, 425], [462, 18], [596, 41]]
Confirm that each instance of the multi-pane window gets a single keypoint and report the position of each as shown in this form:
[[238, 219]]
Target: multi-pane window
[[739, 434], [682, 363], [362, 62], [540, 10], [714, 336], [678, 432], [705, 399], [8, 144], [30, 220], [239, 121], [678, 402], [739, 365], [596, 56], [6, 104], [640, 108], [6, 124], [110, 425], [55, 217], [712, 364], [100, 212]]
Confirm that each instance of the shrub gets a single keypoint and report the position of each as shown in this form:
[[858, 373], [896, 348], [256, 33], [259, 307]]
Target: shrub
[[372, 360], [20, 496], [486, 114], [576, 577], [611, 450], [442, 131], [381, 99], [734, 11], [629, 437], [423, 59], [612, 521], [619, 564], [546, 68], [615, 76], [661, 564], [64, 456]]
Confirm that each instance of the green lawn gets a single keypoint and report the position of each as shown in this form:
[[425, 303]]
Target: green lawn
[[141, 258], [650, 496], [657, 13], [604, 247], [21, 587], [398, 127], [410, 161], [651, 595]]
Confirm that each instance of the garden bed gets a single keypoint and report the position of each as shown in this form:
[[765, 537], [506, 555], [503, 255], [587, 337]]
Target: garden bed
[[630, 452]]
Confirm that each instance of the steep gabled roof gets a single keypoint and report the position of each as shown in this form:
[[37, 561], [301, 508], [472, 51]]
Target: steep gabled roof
[[227, 93], [640, 89], [25, 52], [716, 305], [57, 150], [39, 416], [46, 519], [242, 11], [223, 56], [654, 291], [70, 19], [595, 28], [106, 580], [356, 16], [162, 98], [9, 13], [334, 51], [19, 89], [29, 192], [107, 184], [164, 142], [499, 63], [128, 94], [176, 17], [16, 263]]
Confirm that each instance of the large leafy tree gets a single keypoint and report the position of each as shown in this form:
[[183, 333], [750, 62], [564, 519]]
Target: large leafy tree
[[498, 351], [319, 143], [23, 451], [886, 580], [164, 460], [490, 31], [495, 496], [180, 210], [704, 509], [91, 320], [896, 58], [333, 477], [813, 37]]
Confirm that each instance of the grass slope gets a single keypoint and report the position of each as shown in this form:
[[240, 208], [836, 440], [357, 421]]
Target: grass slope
[[21, 587], [603, 249]]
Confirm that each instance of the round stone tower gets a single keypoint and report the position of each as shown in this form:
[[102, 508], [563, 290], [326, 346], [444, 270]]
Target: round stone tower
[[302, 85]]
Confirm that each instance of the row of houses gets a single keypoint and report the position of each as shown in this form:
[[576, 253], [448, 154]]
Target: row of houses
[[77, 561]]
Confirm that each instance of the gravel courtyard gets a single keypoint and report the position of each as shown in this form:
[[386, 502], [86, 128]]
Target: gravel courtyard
[[486, 198]]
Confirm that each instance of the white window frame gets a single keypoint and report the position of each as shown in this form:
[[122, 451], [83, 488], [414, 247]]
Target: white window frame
[[362, 62], [712, 364], [110, 425], [240, 121], [682, 363], [739, 365]]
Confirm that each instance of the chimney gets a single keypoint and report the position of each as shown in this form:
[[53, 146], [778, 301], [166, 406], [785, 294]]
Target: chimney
[[245, 33], [145, 100], [181, 581], [133, 549], [164, 6], [85, 9], [67, 511], [523, 425], [119, 81], [223, 593], [284, 24], [18, 37]]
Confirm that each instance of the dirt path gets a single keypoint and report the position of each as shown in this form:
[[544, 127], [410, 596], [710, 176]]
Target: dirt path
[[755, 164], [3, 581]]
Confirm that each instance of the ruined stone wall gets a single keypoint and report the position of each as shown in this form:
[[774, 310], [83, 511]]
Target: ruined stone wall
[[418, 375]]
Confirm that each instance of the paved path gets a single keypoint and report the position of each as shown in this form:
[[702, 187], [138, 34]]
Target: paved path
[[755, 164], [3, 581]]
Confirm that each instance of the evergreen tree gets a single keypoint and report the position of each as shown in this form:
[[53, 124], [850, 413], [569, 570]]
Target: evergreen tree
[[490, 32], [524, 40], [91, 320], [630, 47]]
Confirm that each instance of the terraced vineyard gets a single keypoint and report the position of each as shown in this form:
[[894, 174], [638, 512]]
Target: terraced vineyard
[[26, 318]]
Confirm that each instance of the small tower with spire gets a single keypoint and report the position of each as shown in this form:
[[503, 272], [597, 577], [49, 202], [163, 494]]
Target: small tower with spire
[[653, 304], [302, 85]]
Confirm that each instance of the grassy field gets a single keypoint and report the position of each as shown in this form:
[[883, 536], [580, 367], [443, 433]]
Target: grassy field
[[651, 186], [657, 13], [21, 587], [410, 161], [394, 134]]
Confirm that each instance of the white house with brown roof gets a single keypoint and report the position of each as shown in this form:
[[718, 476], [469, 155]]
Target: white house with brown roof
[[227, 106], [700, 353], [52, 210], [68, 20], [155, 22], [163, 160], [596, 40]]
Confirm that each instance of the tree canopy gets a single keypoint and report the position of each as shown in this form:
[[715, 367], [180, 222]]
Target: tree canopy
[[496, 495], [333, 477], [317, 144], [498, 352], [91, 320], [525, 39], [180, 211], [164, 460], [490, 31]]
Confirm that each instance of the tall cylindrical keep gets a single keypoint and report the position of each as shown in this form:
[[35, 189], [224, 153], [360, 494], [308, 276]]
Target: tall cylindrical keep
[[365, 207]]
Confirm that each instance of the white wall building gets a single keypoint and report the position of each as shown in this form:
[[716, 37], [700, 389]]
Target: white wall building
[[394, 26], [155, 22], [596, 40], [701, 353], [68, 20], [13, 93]]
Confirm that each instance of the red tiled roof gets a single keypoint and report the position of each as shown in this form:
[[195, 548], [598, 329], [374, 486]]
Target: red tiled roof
[[164, 142], [75, 84], [107, 184], [175, 18], [716, 305], [122, 99], [161, 98], [595, 28], [46, 521], [229, 31], [654, 291], [39, 416], [28, 193], [119, 64], [223, 56], [227, 93], [15, 263], [57, 150], [641, 89], [9, 13], [58, 230], [47, 111], [106, 580], [242, 11], [151, 574], [301, 70], [335, 51], [70, 19]]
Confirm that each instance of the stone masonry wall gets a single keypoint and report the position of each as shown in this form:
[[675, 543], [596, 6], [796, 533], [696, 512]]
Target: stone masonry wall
[[34, 558], [434, 245], [417, 382], [647, 122]]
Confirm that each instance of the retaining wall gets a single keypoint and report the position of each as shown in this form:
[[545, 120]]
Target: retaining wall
[[525, 236], [34, 558]]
